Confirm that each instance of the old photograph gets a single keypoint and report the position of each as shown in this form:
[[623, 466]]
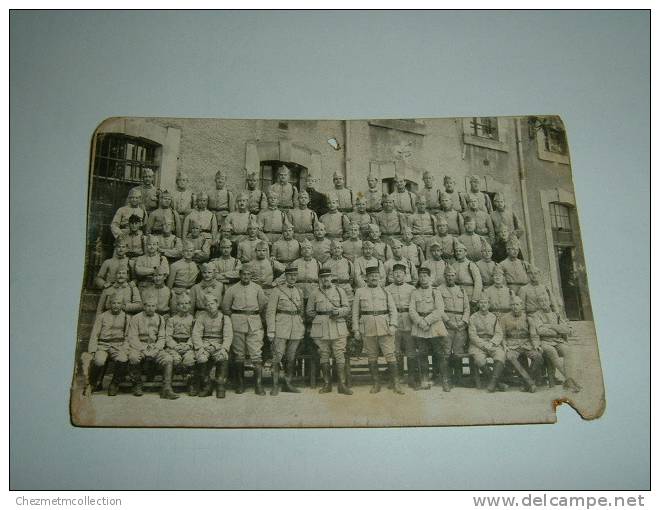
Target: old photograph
[[333, 273]]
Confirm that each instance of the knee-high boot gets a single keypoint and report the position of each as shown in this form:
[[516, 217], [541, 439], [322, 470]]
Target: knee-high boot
[[375, 383], [258, 372], [394, 374], [166, 391], [327, 383], [497, 372], [276, 379], [221, 378]]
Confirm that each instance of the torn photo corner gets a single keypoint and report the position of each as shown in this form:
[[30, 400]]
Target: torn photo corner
[[333, 273]]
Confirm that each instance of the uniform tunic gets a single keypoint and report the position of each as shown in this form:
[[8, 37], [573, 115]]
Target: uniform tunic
[[308, 274], [109, 268], [130, 296], [272, 223], [134, 244], [422, 225], [473, 243], [456, 201], [285, 321], [499, 299], [515, 272], [374, 200], [531, 297], [390, 223], [336, 224], [201, 247], [486, 338], [158, 217], [361, 265], [427, 303], [144, 333], [145, 265], [287, 193], [256, 200], [447, 244], [200, 290], [361, 219], [178, 342], [483, 201], [518, 336], [212, 337], [239, 222], [401, 296], [225, 265], [437, 268], [148, 196], [404, 202], [206, 220], [303, 221], [468, 278], [247, 249], [412, 252], [343, 273], [508, 218], [483, 224], [244, 303], [329, 331], [374, 315], [411, 270], [161, 294], [321, 249], [432, 196], [285, 251], [183, 275], [457, 309], [263, 272], [486, 270], [454, 221], [182, 201], [221, 202], [170, 246], [352, 248], [345, 197], [108, 337], [553, 333]]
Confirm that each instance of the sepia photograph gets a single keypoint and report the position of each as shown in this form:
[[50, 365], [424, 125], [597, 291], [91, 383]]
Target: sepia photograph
[[333, 273]]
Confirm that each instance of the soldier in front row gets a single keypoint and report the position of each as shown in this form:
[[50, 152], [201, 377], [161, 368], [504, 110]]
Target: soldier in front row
[[375, 320], [327, 307], [285, 328], [178, 342], [401, 292], [486, 341]]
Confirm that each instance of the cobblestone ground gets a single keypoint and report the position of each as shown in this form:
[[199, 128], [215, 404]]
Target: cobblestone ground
[[309, 409]]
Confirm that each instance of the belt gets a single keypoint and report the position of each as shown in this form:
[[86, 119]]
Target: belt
[[180, 287], [181, 338], [110, 340], [285, 207], [289, 312], [454, 313], [342, 281], [403, 310], [272, 231], [285, 261], [307, 280], [375, 312], [374, 210], [267, 286], [221, 209], [518, 337], [244, 312], [327, 312], [345, 209]]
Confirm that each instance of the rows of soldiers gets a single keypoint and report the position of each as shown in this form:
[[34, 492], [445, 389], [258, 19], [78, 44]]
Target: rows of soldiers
[[402, 274]]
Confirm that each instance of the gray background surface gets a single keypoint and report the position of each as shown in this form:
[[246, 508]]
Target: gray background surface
[[70, 70]]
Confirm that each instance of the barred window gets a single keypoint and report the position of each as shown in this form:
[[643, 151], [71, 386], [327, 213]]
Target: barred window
[[555, 140], [123, 157], [484, 127], [560, 217]]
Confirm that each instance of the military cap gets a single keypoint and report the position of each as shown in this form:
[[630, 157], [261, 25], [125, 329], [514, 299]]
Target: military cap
[[147, 171], [305, 243], [459, 245], [225, 242], [325, 271], [400, 267], [474, 178], [372, 270], [202, 195], [284, 169], [367, 244], [395, 242], [435, 243], [134, 191], [449, 269], [423, 270], [335, 244], [245, 269], [206, 267], [242, 196], [165, 193]]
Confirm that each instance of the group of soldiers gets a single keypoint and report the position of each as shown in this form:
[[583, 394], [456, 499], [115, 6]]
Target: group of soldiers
[[199, 279]]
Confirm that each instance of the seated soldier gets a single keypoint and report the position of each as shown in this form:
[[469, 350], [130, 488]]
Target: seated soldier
[[472, 241], [521, 340], [486, 341], [352, 247], [221, 199], [436, 265], [106, 275], [344, 195], [127, 291], [336, 223], [183, 199], [382, 250], [453, 218], [212, 336], [164, 214], [264, 270], [285, 326], [482, 221], [146, 339], [390, 221], [427, 313], [404, 200], [120, 221], [446, 241], [183, 275], [208, 286], [286, 249], [200, 243], [169, 245], [409, 249], [287, 192], [515, 270], [453, 195], [178, 341], [107, 340], [373, 196], [272, 219], [498, 294], [397, 258], [256, 197], [553, 332], [366, 261], [146, 264], [320, 244], [486, 264], [503, 215], [307, 276], [206, 220], [246, 248], [239, 220], [375, 320], [158, 291], [422, 223], [302, 218], [360, 216], [225, 265], [532, 292]]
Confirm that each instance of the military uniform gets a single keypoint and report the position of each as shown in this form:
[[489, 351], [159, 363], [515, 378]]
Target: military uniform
[[303, 221], [200, 290], [263, 273], [211, 338], [308, 275], [352, 249], [468, 278], [201, 247], [170, 246], [483, 224], [343, 273], [456, 202], [183, 275], [239, 223], [336, 224], [146, 340], [515, 272], [402, 338], [411, 270], [482, 199], [423, 227], [390, 224], [345, 197], [144, 268], [412, 252], [247, 249], [404, 201], [134, 244], [223, 266], [321, 249], [454, 221], [508, 218], [106, 275], [362, 219], [206, 220], [287, 193], [221, 202], [161, 294], [361, 265], [447, 245], [256, 200], [499, 299], [432, 196], [182, 202], [178, 342], [486, 340], [160, 216], [131, 300], [473, 243], [531, 296], [272, 223], [437, 271], [518, 341], [374, 198], [285, 251], [457, 308], [148, 196], [486, 269]]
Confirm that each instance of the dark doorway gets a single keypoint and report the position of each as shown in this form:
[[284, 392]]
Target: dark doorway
[[270, 168], [570, 287], [389, 186]]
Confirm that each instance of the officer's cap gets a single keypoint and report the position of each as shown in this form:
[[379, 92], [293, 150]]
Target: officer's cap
[[398, 267], [291, 270], [325, 271], [423, 270], [372, 270]]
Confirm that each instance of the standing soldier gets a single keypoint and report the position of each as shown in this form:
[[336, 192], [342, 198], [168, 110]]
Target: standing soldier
[[404, 200], [239, 220], [374, 195], [375, 320], [486, 341], [342, 269], [148, 192], [360, 216], [553, 332], [401, 292], [453, 218], [107, 340], [498, 294], [467, 275], [427, 313], [183, 275], [486, 264], [352, 247], [532, 293], [120, 221], [344, 195], [366, 261], [471, 240], [146, 339], [430, 192], [457, 309], [307, 267], [482, 198], [422, 223], [285, 326], [515, 270], [178, 342], [336, 223], [320, 244], [287, 192], [389, 220], [146, 264], [521, 340], [169, 245], [483, 224], [302, 218], [503, 215], [206, 220], [453, 195], [225, 265], [244, 302], [212, 336], [272, 219], [183, 199], [164, 214], [286, 249], [436, 265], [221, 200], [208, 286], [256, 197], [327, 307]]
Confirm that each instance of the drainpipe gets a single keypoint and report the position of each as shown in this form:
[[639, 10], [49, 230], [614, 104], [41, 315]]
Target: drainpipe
[[522, 174], [347, 156]]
